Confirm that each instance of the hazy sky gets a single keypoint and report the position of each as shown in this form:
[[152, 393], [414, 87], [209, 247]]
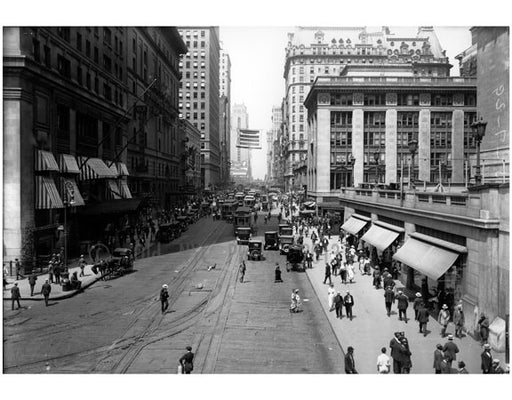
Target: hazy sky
[[257, 65]]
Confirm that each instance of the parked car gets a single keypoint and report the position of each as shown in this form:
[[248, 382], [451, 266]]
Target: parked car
[[254, 250], [243, 235], [271, 240], [295, 257], [285, 242]]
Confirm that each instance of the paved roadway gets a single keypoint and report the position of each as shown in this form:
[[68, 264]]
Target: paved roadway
[[117, 327]]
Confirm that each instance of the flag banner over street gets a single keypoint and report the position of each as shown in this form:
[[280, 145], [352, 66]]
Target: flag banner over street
[[248, 139]]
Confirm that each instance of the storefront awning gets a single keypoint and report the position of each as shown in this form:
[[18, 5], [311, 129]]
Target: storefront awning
[[353, 225], [45, 161], [112, 207], [309, 204], [125, 190], [69, 185], [113, 167], [123, 169], [430, 260], [94, 168], [379, 237], [113, 191], [68, 164], [47, 195]]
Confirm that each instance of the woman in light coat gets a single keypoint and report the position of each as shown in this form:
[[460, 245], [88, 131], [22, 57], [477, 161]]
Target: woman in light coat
[[444, 319]]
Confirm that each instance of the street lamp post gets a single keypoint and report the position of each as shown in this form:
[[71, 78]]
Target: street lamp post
[[353, 163], [68, 201], [413, 147], [478, 128], [376, 157]]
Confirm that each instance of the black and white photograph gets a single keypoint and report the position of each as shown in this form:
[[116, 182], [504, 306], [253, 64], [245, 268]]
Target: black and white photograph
[[218, 198]]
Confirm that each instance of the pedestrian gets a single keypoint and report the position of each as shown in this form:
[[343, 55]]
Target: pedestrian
[[277, 274], [81, 264], [164, 298], [348, 301], [32, 282], [423, 319], [5, 274], [483, 322], [50, 271], [295, 301], [445, 365], [450, 350], [242, 269], [46, 289], [458, 320], [334, 264], [416, 305], [56, 272], [343, 272], [396, 354], [383, 362], [496, 368], [327, 273], [389, 299], [444, 319], [330, 296], [187, 361], [15, 295], [438, 357], [486, 357], [376, 278], [350, 364], [338, 305], [462, 368], [402, 304], [405, 355], [309, 259], [17, 268], [350, 272]]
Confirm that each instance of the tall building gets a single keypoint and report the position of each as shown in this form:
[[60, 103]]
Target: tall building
[[199, 95], [154, 154], [240, 158], [272, 154], [225, 115], [70, 124], [326, 51], [391, 151], [270, 150]]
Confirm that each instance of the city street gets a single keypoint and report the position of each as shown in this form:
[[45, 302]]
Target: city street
[[116, 326]]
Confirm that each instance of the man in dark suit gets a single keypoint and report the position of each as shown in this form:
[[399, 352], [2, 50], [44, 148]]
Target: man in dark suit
[[187, 361], [348, 300], [338, 304], [423, 319], [396, 353], [486, 359], [438, 358], [450, 350], [350, 364], [389, 299], [402, 304], [15, 295], [46, 289], [327, 273]]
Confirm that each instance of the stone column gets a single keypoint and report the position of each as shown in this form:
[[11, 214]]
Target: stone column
[[423, 155], [358, 145], [323, 155], [72, 131], [458, 146], [391, 146]]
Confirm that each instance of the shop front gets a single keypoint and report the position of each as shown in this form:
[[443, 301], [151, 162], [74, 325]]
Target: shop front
[[384, 239], [434, 268], [354, 227]]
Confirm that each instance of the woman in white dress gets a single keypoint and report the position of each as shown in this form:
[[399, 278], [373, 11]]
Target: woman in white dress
[[331, 293]]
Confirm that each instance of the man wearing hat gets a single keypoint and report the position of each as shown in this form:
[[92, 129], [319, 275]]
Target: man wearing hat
[[462, 368], [444, 319], [423, 319], [416, 305], [15, 295], [496, 367], [164, 298], [389, 299], [81, 264], [46, 289], [350, 364], [438, 358], [348, 300], [396, 353], [486, 357], [402, 304], [187, 361], [458, 320], [450, 350]]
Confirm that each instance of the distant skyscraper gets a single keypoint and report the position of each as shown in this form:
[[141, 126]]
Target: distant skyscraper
[[239, 157], [199, 94], [225, 115]]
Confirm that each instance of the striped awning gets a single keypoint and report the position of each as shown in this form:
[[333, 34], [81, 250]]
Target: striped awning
[[68, 164], [94, 168], [123, 169], [47, 195], [113, 192], [113, 167], [45, 161], [125, 190], [71, 191]]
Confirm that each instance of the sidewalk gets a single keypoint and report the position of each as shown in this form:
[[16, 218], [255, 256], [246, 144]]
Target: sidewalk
[[371, 328]]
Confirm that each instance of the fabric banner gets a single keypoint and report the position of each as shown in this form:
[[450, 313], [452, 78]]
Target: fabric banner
[[248, 139]]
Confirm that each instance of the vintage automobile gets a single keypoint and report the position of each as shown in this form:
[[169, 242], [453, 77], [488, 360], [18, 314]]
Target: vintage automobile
[[243, 235], [295, 257], [285, 242], [168, 232], [254, 250], [121, 261], [285, 230], [271, 240]]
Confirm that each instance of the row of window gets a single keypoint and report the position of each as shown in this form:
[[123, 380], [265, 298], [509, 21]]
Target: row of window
[[403, 99], [369, 158], [192, 64]]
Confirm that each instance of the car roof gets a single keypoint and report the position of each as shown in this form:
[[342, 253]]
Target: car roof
[[270, 232]]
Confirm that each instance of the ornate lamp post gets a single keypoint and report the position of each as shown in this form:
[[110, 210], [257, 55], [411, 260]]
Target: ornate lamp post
[[353, 163], [413, 147], [478, 133], [69, 200], [376, 157]]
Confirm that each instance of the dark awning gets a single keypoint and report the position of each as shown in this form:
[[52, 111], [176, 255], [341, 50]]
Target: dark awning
[[112, 207]]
